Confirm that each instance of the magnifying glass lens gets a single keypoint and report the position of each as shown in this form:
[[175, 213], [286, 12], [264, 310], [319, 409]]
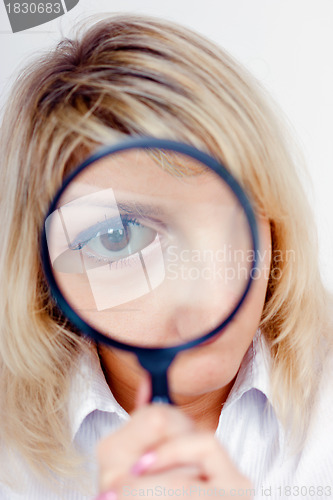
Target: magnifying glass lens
[[150, 247]]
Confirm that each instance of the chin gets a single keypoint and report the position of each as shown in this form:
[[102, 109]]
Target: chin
[[200, 374]]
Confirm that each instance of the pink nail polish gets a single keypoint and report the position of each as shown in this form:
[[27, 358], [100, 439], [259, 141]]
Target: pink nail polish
[[143, 463], [108, 495]]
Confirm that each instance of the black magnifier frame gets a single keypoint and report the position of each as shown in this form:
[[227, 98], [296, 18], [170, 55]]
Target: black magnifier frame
[[155, 360]]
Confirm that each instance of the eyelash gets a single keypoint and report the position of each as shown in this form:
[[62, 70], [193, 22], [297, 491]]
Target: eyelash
[[94, 230], [120, 263]]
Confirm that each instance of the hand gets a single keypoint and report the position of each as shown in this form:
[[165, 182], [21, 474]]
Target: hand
[[160, 450]]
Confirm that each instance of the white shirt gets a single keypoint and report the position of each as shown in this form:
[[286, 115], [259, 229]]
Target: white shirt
[[248, 429]]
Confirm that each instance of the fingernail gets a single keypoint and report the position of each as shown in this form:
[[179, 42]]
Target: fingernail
[[143, 463], [108, 495]]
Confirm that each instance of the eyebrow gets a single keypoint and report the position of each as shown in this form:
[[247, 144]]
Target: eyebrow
[[121, 207], [135, 208]]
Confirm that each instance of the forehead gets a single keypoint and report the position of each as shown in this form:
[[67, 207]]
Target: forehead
[[155, 174]]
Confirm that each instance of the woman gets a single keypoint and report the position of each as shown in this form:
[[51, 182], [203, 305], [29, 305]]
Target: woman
[[135, 75]]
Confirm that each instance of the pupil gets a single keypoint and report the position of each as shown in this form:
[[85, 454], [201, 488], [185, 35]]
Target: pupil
[[116, 239]]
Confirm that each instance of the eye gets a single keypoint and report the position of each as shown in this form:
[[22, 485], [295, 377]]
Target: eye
[[113, 243], [113, 240]]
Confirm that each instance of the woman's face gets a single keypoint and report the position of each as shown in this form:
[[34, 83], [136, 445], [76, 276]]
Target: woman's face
[[155, 251]]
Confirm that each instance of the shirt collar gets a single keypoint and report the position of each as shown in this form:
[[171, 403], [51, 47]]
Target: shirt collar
[[89, 392], [254, 371]]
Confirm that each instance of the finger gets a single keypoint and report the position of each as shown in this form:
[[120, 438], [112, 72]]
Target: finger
[[150, 426], [198, 450], [144, 393]]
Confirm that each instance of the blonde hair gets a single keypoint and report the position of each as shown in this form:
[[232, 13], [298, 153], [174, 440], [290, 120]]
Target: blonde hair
[[138, 75]]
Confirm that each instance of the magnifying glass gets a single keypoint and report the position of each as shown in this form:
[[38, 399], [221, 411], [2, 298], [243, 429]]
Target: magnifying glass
[[150, 246]]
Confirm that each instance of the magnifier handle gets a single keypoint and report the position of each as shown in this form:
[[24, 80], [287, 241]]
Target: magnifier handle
[[162, 399], [159, 388], [157, 364]]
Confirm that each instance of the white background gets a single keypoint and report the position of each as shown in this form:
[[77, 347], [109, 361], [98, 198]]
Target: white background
[[287, 44]]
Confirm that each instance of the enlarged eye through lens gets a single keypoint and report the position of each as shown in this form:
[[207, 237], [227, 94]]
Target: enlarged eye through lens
[[114, 243], [113, 239], [158, 243]]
